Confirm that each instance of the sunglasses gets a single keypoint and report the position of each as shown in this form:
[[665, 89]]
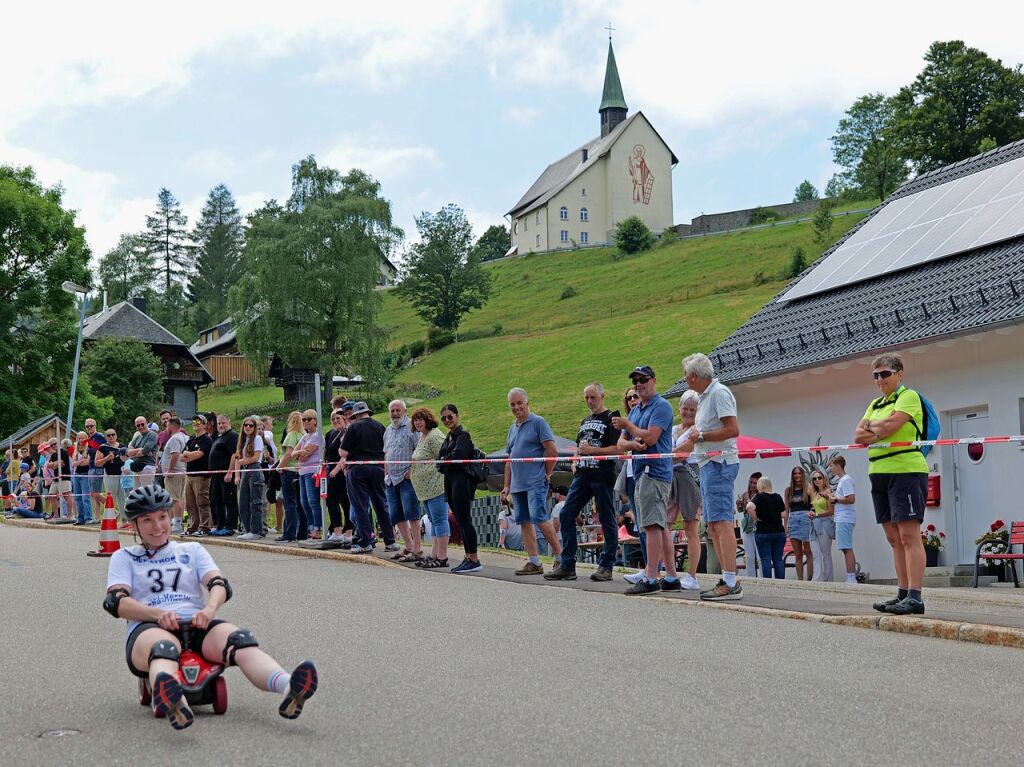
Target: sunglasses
[[308, 418], [248, 426], [639, 380], [140, 425], [447, 418], [883, 374], [633, 396], [111, 433]]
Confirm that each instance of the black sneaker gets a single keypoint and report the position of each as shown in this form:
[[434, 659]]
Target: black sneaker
[[558, 574], [601, 574], [300, 689], [169, 701], [883, 607], [644, 587], [673, 585], [907, 606]]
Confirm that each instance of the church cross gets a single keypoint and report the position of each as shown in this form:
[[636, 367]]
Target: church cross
[[610, 29]]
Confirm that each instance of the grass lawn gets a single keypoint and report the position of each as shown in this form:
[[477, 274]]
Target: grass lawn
[[653, 308]]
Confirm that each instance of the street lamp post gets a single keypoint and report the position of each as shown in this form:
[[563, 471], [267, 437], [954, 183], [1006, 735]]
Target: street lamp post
[[75, 290]]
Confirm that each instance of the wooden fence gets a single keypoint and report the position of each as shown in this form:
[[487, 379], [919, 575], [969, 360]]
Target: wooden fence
[[228, 369]]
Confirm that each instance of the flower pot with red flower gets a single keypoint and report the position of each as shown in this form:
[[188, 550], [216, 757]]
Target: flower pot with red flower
[[933, 540], [995, 541]]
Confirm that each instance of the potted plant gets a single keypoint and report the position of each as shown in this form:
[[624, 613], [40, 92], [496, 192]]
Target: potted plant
[[933, 541], [995, 541]]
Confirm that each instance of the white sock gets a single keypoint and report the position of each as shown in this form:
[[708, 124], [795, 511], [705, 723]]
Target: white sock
[[851, 577], [278, 681], [729, 578]]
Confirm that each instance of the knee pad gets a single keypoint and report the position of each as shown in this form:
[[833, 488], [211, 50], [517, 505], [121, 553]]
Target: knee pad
[[238, 640], [164, 650]]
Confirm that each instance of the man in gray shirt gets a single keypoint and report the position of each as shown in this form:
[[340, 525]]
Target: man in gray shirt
[[142, 451], [403, 506]]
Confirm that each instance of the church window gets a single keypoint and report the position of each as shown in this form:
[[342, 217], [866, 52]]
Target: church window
[[583, 214], [538, 216], [565, 235], [515, 227], [563, 213], [583, 192], [538, 240], [584, 238], [526, 224]]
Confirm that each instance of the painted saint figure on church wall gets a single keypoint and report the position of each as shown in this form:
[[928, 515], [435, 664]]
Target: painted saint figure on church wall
[[643, 179]]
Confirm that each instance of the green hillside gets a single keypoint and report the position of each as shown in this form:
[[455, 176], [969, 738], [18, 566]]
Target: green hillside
[[649, 309]]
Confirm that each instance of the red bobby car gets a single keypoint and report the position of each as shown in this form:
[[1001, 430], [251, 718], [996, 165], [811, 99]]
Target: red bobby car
[[200, 680]]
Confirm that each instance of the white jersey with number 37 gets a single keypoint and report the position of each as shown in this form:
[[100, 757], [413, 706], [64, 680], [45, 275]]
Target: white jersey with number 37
[[172, 580]]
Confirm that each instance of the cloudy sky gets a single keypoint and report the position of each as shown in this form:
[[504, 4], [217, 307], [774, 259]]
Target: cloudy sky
[[446, 101]]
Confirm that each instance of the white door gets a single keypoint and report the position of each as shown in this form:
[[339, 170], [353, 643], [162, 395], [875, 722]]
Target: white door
[[972, 483]]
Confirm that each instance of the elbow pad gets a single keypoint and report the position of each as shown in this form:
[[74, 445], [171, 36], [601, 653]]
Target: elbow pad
[[112, 600], [220, 580]]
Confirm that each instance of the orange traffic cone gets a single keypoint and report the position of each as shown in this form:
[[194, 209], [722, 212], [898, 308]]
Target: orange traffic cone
[[109, 541]]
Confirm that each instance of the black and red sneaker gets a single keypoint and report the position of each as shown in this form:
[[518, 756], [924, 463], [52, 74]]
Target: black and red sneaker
[[300, 689], [169, 701]]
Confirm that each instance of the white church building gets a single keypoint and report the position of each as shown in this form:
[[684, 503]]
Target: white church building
[[578, 200], [937, 273]]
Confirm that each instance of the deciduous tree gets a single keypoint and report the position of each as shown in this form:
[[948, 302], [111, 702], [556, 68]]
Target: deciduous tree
[[865, 147], [805, 191], [129, 373], [960, 98], [493, 243], [443, 279], [307, 292], [41, 246]]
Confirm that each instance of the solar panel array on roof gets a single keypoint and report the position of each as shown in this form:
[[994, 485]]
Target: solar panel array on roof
[[970, 212]]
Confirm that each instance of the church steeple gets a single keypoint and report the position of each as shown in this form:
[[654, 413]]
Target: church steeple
[[613, 107]]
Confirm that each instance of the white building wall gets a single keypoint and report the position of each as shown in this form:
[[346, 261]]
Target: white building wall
[[984, 370], [657, 212], [592, 182]]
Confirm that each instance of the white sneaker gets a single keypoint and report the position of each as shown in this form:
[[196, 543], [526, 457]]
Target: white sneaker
[[634, 577], [334, 538], [689, 582], [176, 527], [248, 537], [271, 531]]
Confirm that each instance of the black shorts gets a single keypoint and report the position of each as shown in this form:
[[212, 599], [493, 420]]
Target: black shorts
[[196, 637], [899, 497], [273, 480]]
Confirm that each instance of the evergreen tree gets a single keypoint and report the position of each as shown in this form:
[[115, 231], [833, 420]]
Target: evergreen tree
[[166, 240], [805, 191], [127, 270], [217, 240]]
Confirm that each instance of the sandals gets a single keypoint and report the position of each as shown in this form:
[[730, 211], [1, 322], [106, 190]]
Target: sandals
[[410, 556], [429, 563], [400, 554]]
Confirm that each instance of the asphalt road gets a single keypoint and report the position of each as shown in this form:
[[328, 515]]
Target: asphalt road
[[427, 669]]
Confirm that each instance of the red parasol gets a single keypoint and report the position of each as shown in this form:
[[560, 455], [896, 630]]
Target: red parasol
[[769, 449]]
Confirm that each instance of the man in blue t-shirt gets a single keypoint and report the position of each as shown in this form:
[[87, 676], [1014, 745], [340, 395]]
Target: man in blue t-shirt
[[648, 431], [526, 484]]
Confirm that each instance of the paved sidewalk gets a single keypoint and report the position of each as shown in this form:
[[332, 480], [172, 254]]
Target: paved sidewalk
[[987, 615]]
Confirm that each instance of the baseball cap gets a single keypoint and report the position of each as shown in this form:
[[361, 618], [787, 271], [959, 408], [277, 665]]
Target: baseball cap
[[347, 406], [642, 370]]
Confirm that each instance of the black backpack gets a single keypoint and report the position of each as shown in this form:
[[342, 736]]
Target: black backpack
[[477, 470]]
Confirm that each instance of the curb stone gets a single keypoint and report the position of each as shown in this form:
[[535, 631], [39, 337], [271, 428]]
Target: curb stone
[[975, 633]]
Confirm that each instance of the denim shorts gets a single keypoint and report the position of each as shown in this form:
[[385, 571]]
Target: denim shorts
[[717, 483], [403, 506], [531, 506], [96, 480], [437, 512], [799, 526], [844, 535]]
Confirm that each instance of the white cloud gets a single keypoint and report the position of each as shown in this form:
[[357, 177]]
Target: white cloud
[[521, 115], [384, 160]]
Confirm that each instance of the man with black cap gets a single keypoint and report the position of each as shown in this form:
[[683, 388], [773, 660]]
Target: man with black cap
[[648, 430], [364, 441]]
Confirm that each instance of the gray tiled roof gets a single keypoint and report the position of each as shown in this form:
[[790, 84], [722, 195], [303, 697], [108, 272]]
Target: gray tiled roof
[[561, 172], [960, 294], [29, 429], [227, 337], [124, 320]]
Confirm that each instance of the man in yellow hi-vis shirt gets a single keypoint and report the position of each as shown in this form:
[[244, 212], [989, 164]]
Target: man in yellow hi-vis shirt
[[899, 478]]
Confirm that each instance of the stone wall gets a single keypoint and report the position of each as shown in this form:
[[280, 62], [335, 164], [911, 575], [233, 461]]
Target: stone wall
[[737, 219]]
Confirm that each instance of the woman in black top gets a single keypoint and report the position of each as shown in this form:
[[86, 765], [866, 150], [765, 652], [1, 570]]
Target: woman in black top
[[337, 488], [798, 527], [770, 516], [109, 458], [459, 487]]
